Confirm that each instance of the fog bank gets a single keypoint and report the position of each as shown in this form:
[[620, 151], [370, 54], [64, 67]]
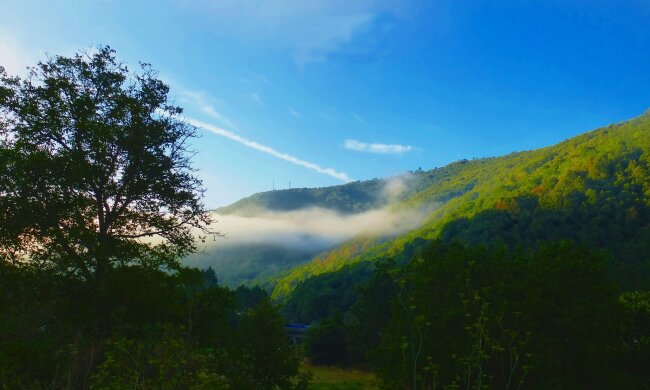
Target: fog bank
[[313, 227]]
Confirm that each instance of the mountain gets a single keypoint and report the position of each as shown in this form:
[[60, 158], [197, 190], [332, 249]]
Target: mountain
[[347, 198], [268, 233], [350, 198], [593, 189]]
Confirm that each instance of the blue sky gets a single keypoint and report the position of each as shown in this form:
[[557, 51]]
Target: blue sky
[[319, 92]]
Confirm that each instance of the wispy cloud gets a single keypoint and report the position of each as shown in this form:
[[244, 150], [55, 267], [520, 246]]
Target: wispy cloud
[[314, 30], [200, 101], [295, 113], [323, 115], [376, 148], [269, 150], [255, 79]]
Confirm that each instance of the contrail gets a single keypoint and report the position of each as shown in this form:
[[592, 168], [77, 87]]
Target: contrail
[[269, 150]]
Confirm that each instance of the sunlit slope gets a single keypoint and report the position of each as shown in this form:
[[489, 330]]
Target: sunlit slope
[[593, 188]]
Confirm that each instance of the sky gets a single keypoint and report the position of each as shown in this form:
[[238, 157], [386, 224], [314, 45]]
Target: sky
[[311, 93]]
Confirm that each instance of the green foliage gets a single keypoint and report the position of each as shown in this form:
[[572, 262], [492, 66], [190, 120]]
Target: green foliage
[[635, 330], [162, 360], [249, 297], [336, 378], [253, 355], [41, 316], [327, 342], [319, 297], [355, 251], [167, 330], [478, 318], [95, 158], [98, 201], [267, 362], [262, 264], [357, 196], [594, 189]]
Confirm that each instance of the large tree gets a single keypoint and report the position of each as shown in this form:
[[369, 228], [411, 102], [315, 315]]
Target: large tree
[[95, 168]]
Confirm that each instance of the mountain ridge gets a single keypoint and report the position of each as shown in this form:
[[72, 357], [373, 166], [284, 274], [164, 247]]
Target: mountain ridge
[[594, 169], [513, 189]]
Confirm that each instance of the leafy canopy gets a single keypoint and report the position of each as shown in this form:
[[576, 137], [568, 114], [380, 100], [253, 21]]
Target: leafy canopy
[[96, 167]]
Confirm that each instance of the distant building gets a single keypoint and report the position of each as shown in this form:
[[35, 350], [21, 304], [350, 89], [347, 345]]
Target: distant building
[[297, 333]]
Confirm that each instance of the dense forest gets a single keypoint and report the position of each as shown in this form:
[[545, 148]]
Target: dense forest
[[177, 330], [477, 317], [530, 270]]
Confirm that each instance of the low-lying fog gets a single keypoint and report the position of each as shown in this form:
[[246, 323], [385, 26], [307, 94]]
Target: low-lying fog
[[318, 228], [313, 227], [270, 242]]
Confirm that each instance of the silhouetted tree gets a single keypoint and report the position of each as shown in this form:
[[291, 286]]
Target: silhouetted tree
[[95, 164]]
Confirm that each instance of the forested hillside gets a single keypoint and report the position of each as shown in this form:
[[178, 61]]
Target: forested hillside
[[594, 188], [533, 273], [260, 261]]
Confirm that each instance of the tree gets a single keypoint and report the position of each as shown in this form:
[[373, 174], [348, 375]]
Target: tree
[[162, 359], [479, 317], [265, 359], [327, 342], [97, 168]]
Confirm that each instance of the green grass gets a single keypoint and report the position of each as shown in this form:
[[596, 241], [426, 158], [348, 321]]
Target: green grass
[[334, 378]]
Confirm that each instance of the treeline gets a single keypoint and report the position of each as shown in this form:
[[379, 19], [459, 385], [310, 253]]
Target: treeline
[[478, 317], [166, 330]]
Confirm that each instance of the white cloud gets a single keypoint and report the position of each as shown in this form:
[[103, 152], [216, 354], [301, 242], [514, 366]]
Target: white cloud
[[376, 148], [269, 150], [313, 30], [200, 100], [327, 35]]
